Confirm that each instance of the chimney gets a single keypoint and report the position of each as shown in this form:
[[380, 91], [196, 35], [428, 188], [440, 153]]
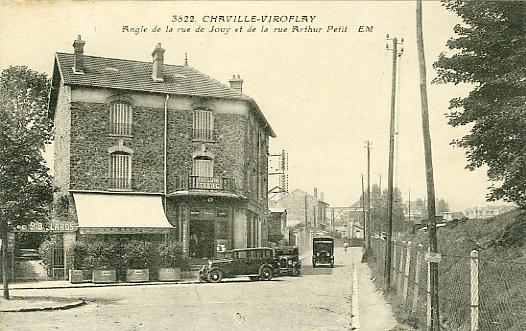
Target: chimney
[[158, 61], [322, 197], [315, 192], [236, 83], [78, 55]]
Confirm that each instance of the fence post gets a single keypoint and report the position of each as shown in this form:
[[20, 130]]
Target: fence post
[[417, 277], [400, 270], [393, 267], [474, 290], [428, 305], [406, 273]]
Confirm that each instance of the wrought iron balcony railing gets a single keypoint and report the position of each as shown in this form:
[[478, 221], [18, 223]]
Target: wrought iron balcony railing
[[204, 134], [120, 183], [121, 129]]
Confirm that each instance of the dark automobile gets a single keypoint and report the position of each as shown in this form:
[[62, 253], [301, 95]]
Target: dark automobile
[[288, 260], [322, 251], [256, 263]]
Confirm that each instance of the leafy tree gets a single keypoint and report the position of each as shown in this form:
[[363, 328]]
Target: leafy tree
[[489, 52], [25, 183], [379, 213], [441, 206]]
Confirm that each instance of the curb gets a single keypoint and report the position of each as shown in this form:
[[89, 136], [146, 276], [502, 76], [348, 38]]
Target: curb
[[88, 285], [75, 304]]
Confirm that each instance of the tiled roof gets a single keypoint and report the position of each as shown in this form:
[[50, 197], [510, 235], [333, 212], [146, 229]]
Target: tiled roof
[[137, 76]]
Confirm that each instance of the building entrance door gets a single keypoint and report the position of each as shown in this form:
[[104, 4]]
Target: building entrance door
[[202, 239]]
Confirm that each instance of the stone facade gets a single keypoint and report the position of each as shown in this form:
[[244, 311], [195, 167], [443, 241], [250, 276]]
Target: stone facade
[[83, 142]]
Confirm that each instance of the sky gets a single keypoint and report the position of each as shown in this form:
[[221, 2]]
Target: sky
[[324, 93]]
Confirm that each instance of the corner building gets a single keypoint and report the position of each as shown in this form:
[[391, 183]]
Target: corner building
[[147, 149]]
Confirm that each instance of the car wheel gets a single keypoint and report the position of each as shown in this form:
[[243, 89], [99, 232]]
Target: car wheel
[[295, 272], [215, 276], [266, 273], [332, 264], [314, 263]]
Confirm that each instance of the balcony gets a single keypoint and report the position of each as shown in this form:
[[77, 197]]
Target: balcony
[[120, 184], [207, 135], [217, 184], [121, 129]]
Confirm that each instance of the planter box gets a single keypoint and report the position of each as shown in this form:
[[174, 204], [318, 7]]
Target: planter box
[[79, 276], [169, 274], [137, 275], [104, 276]]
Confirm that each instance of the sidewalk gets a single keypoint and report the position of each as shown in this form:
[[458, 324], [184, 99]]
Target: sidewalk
[[57, 284], [375, 314]]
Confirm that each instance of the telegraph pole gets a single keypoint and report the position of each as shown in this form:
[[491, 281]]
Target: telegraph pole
[[390, 198], [3, 225], [369, 189], [433, 258], [366, 227]]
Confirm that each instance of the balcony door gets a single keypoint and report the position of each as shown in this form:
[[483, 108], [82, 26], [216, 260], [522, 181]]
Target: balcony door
[[203, 167]]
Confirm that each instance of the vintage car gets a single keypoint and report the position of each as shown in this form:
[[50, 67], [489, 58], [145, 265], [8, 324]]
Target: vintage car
[[288, 260], [256, 263], [322, 251]]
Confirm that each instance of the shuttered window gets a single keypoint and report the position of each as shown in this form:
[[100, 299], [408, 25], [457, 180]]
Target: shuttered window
[[121, 119], [120, 171], [203, 124], [203, 167]]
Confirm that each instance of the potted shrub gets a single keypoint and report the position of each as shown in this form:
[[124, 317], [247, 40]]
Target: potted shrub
[[170, 258], [78, 255], [100, 258], [139, 257]]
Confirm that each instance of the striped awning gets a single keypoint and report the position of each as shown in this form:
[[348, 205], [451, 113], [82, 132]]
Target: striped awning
[[100, 213]]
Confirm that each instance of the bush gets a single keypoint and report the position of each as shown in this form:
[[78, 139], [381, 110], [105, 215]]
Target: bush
[[140, 255], [78, 253], [46, 251], [102, 255], [170, 254]]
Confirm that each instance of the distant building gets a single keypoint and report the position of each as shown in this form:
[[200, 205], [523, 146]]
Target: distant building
[[485, 212], [306, 214]]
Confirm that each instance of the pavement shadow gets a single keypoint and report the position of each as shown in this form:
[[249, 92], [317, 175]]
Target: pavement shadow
[[308, 270]]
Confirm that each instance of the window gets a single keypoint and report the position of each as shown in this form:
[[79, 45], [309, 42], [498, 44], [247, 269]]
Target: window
[[121, 119], [120, 170], [203, 124], [203, 167]]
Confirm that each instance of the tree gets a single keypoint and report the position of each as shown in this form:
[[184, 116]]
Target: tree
[[442, 206], [25, 183], [379, 210], [489, 52]]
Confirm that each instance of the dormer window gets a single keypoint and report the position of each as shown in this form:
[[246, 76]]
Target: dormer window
[[121, 119], [203, 125]]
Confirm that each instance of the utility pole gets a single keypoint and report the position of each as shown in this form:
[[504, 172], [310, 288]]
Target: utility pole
[[390, 198], [366, 227], [3, 225], [307, 232], [409, 212], [433, 257], [369, 190]]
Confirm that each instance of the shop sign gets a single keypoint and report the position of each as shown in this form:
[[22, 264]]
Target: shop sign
[[209, 183], [52, 226], [205, 213], [10, 242], [222, 213]]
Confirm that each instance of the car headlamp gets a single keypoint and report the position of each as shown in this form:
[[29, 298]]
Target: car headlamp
[[328, 254], [290, 262], [317, 254]]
